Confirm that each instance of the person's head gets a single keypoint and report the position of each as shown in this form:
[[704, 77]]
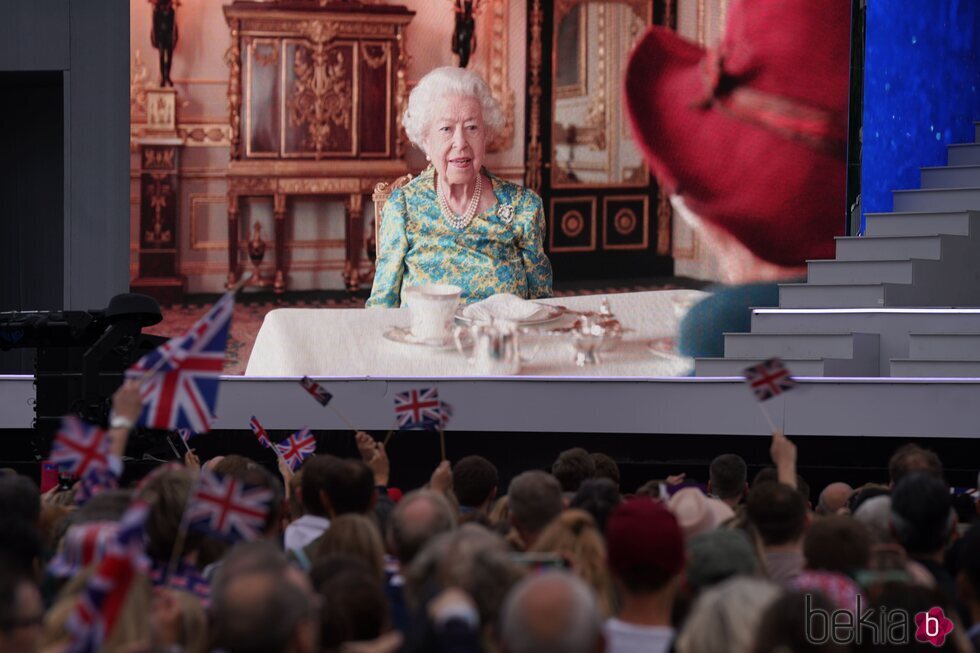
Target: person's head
[[717, 555], [354, 535], [864, 493], [231, 464], [597, 497], [167, 494], [606, 467], [418, 517], [876, 515], [20, 545], [922, 514], [534, 499], [260, 611], [784, 626], [833, 498], [645, 546], [837, 543], [572, 468], [724, 618], [552, 612], [333, 486], [179, 620], [771, 475], [20, 498], [354, 608], [968, 568], [697, 513], [778, 513], [727, 477], [573, 536], [475, 482], [451, 116], [21, 612], [470, 558], [911, 458]]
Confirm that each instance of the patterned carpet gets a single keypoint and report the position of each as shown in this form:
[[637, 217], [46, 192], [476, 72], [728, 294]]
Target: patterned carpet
[[251, 309]]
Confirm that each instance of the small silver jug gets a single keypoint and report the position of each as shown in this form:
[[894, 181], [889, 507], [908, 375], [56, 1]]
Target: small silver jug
[[496, 347]]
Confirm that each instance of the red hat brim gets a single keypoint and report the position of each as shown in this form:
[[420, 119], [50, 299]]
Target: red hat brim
[[782, 199]]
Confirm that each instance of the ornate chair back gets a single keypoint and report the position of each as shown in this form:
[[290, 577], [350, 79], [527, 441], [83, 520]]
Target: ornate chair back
[[382, 191]]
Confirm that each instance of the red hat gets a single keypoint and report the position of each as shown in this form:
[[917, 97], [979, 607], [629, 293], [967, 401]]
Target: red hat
[[753, 135], [644, 543]]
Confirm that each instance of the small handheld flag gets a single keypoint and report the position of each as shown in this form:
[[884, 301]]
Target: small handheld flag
[[316, 391], [179, 379], [260, 432], [769, 379], [418, 409], [227, 508], [297, 448], [80, 447]]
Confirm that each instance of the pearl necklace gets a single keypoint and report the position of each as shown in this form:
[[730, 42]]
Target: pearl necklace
[[461, 221]]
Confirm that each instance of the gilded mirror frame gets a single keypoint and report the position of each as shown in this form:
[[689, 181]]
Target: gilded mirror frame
[[596, 130]]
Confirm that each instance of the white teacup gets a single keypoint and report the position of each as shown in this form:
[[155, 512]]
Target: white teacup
[[433, 307]]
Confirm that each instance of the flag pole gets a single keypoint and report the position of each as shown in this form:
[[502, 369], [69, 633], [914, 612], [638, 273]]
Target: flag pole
[[345, 420], [442, 443], [388, 437], [172, 447], [765, 413]]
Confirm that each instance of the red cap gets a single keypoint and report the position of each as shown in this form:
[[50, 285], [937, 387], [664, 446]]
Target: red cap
[[753, 135], [644, 543]]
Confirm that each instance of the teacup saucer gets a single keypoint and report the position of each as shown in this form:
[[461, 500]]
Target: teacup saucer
[[403, 336]]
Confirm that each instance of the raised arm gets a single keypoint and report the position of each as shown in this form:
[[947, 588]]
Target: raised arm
[[392, 247]]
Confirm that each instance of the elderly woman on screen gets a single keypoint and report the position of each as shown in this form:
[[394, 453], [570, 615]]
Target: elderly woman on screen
[[456, 223]]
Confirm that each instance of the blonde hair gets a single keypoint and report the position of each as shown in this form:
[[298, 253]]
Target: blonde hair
[[574, 535], [432, 90], [133, 624], [356, 536]]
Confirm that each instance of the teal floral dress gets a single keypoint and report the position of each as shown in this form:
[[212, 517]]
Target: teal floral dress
[[500, 251]]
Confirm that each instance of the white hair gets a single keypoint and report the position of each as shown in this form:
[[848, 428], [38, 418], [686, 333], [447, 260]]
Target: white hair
[[443, 82], [724, 618], [580, 630]]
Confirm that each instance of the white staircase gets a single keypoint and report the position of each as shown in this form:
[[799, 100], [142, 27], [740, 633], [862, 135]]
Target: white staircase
[[901, 300]]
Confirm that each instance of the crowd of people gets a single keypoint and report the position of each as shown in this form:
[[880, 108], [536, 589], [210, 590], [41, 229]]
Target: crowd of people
[[556, 561]]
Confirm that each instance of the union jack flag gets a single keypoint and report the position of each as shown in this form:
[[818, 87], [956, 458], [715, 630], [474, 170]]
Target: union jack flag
[[260, 432], [101, 601], [79, 447], [95, 482], [182, 388], [769, 379], [297, 448], [316, 390], [418, 409], [227, 508], [185, 434], [446, 412]]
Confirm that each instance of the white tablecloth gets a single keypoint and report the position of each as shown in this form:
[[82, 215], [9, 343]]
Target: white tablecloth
[[349, 342]]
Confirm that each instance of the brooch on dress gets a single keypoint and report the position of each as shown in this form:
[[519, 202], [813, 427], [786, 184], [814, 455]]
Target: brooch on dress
[[506, 213]]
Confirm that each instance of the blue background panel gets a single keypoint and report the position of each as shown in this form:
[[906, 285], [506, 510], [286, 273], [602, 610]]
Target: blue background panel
[[922, 73]]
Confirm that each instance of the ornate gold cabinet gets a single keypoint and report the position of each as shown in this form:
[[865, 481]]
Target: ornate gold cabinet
[[314, 94]]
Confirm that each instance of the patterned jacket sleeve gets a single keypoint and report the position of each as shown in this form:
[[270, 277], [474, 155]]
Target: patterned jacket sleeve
[[536, 263], [392, 247]]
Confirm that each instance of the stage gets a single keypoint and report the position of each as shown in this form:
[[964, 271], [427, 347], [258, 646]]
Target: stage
[[845, 428]]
